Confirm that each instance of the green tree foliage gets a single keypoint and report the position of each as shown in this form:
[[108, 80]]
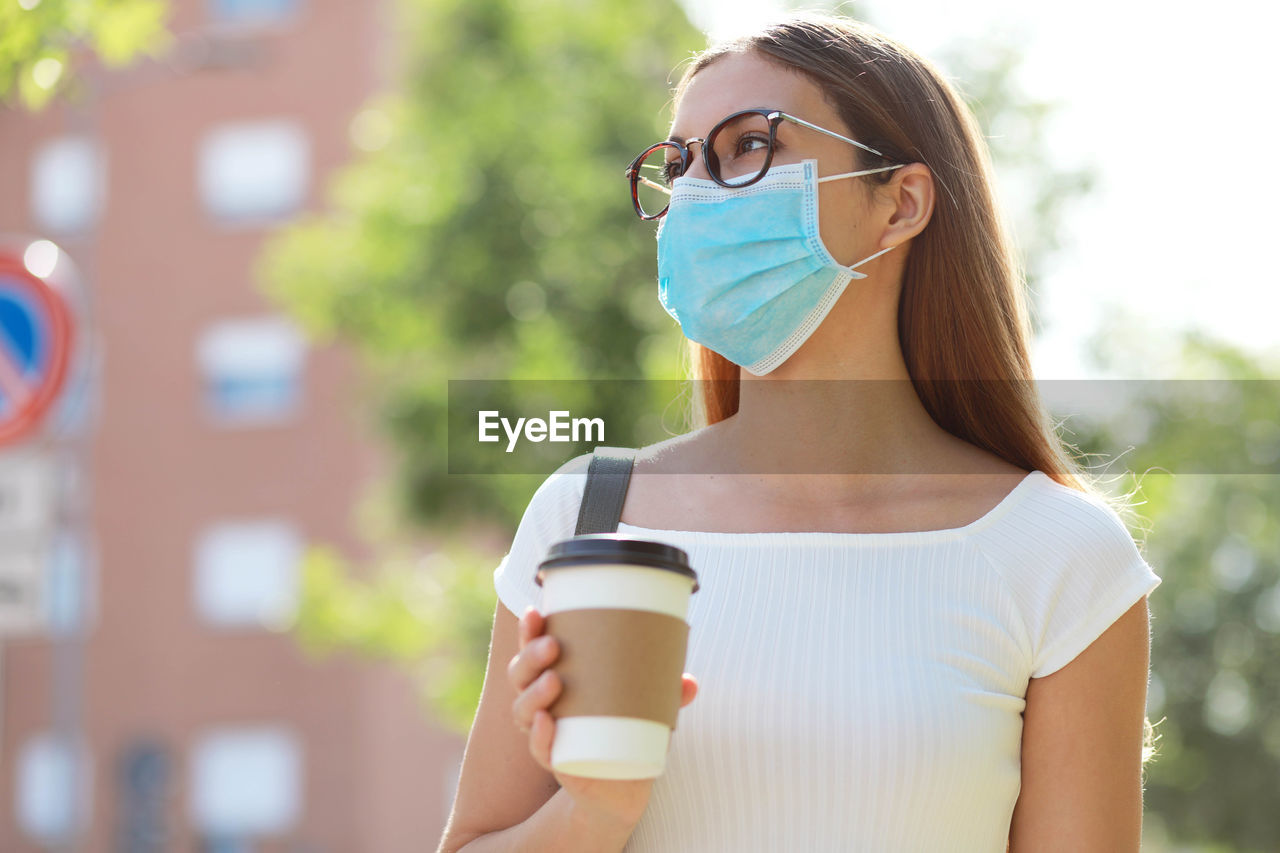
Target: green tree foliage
[[40, 40], [490, 235], [1214, 538], [431, 613]]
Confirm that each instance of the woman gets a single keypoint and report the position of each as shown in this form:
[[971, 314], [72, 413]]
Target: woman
[[941, 642]]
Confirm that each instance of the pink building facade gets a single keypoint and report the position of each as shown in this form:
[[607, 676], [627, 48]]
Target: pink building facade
[[214, 443]]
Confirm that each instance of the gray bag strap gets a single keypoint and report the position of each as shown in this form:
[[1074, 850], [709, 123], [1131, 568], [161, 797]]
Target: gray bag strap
[[608, 476]]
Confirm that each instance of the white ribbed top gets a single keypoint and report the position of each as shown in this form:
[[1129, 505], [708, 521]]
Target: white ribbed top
[[863, 691]]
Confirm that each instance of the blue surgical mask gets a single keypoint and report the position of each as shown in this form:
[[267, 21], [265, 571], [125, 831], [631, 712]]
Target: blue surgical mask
[[744, 271]]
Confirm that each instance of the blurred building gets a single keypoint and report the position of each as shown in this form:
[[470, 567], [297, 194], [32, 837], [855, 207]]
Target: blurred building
[[213, 442]]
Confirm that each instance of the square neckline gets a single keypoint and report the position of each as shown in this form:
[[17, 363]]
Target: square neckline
[[825, 537]]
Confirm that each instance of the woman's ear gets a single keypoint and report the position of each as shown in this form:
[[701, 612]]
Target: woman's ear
[[909, 197]]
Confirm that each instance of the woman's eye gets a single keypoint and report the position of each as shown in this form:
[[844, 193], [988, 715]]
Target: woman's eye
[[752, 145], [672, 170]]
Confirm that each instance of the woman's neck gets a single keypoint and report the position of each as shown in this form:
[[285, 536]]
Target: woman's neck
[[830, 426]]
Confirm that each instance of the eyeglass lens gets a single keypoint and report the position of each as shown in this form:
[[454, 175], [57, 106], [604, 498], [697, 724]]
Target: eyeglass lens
[[738, 148], [737, 153], [657, 170]]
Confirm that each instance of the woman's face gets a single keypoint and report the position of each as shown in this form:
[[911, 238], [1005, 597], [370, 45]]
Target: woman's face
[[747, 81]]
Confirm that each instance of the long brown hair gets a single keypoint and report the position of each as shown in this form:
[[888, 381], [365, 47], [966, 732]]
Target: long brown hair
[[962, 317]]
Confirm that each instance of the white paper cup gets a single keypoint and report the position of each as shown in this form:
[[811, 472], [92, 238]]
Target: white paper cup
[[619, 607]]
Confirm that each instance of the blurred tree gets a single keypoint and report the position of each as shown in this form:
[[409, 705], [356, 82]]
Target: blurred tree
[[430, 613], [1215, 540], [40, 40], [488, 234]]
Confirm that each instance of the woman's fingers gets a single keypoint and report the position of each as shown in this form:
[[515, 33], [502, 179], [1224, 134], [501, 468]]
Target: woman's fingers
[[688, 689], [544, 728], [522, 668], [530, 661], [530, 625], [541, 693]]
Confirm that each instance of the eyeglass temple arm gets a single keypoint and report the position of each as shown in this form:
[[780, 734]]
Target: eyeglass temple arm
[[648, 183], [801, 121]]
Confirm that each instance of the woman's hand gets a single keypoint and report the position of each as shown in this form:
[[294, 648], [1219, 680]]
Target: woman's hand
[[612, 800]]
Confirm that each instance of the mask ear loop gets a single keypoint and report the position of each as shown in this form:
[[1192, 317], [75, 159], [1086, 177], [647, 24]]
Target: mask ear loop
[[854, 273], [850, 269]]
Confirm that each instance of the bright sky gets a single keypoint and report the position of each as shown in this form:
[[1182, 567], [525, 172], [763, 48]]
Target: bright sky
[[1175, 104]]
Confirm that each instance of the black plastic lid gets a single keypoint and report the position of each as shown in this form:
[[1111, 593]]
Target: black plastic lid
[[616, 548]]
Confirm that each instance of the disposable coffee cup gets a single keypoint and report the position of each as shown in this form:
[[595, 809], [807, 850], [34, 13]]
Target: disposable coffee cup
[[619, 607]]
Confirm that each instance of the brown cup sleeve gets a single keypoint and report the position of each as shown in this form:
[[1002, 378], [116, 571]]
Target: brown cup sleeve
[[619, 663]]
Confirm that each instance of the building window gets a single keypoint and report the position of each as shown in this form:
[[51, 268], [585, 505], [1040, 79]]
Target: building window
[[68, 184], [252, 12], [143, 785], [252, 370], [49, 778], [254, 172], [246, 574], [245, 783]]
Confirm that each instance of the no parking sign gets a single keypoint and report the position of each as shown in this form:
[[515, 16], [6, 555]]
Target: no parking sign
[[35, 340]]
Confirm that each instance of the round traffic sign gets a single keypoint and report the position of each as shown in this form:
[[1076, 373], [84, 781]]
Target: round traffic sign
[[35, 340]]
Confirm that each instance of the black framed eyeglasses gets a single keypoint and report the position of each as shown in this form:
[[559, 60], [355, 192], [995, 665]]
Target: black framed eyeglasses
[[737, 152]]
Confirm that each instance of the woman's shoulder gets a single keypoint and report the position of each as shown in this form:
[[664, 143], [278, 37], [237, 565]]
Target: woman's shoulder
[[1058, 523], [1073, 509], [680, 454], [1071, 566], [562, 490], [563, 487]]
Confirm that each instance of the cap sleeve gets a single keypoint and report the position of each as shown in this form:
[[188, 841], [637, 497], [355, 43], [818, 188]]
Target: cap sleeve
[[552, 515], [1074, 569], [1102, 576]]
